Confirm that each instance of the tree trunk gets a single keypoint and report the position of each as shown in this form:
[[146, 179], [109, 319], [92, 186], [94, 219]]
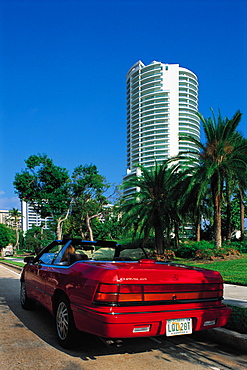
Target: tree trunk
[[176, 232], [59, 226], [198, 231], [228, 216], [59, 229], [16, 246], [159, 240], [159, 236], [89, 227], [217, 222], [88, 223], [145, 237], [81, 232], [217, 211], [167, 239], [241, 214]]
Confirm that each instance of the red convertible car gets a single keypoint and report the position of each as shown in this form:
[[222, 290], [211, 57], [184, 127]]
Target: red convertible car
[[105, 289]]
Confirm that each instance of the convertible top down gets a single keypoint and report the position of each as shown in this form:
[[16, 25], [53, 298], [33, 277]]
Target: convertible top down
[[105, 289]]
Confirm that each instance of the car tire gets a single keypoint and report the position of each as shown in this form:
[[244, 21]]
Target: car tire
[[26, 303], [65, 326]]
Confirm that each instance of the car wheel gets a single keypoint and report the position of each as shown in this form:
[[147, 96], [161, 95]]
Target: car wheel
[[65, 326], [26, 303]]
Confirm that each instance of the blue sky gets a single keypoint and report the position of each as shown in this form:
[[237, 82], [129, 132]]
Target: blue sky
[[63, 66]]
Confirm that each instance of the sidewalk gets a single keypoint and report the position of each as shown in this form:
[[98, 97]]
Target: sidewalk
[[235, 295]]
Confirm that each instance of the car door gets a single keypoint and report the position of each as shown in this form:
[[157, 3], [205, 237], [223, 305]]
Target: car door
[[40, 274], [34, 278]]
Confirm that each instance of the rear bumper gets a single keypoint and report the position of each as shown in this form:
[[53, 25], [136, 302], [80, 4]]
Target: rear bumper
[[137, 324]]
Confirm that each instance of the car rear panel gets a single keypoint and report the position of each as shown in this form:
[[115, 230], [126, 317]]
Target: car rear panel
[[129, 299]]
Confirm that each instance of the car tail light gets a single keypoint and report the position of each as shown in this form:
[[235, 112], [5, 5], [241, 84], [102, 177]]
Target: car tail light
[[130, 293]]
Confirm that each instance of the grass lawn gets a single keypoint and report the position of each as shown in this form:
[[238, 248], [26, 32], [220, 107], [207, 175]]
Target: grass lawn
[[238, 320], [20, 264], [232, 271]]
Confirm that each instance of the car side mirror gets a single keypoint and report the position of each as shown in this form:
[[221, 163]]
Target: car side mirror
[[29, 259]]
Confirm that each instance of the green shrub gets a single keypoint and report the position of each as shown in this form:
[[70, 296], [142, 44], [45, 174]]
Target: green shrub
[[240, 246], [205, 250], [168, 255], [7, 236], [191, 249], [238, 320]]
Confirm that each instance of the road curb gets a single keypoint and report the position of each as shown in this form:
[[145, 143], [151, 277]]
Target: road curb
[[17, 268], [228, 337]]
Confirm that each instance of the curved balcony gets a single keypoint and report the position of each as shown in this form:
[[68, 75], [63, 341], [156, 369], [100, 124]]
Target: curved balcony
[[150, 68], [189, 125]]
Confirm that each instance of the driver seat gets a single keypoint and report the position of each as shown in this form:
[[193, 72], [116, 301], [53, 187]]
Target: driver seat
[[74, 257]]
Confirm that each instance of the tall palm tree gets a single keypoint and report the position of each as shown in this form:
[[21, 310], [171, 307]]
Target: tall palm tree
[[235, 201], [236, 179], [152, 206], [222, 157], [195, 200]]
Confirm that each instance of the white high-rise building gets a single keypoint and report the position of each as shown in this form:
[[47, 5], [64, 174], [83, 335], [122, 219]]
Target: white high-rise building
[[162, 103], [31, 217]]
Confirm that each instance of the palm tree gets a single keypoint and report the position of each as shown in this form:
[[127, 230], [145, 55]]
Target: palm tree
[[222, 157], [14, 219], [153, 205], [234, 213], [236, 180], [195, 200]]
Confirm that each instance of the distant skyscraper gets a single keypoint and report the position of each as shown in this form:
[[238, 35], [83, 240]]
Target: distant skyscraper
[[162, 102]]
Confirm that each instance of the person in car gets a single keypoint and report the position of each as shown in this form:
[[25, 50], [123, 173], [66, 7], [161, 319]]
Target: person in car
[[70, 249]]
